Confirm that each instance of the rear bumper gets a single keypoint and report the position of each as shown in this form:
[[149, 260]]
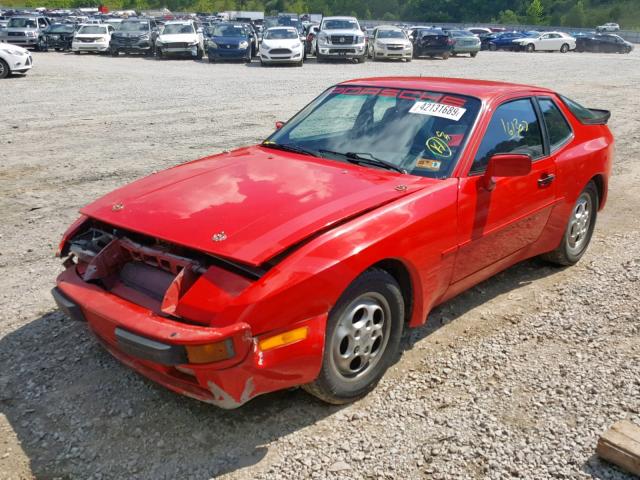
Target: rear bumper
[[155, 347]]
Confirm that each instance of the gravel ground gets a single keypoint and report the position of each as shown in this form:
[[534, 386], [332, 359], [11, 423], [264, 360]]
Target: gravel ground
[[515, 378]]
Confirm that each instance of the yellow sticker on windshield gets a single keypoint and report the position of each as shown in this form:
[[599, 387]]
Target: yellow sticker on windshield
[[439, 147]]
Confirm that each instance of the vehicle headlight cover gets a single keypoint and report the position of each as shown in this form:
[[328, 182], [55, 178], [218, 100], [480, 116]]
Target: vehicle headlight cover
[[360, 39], [380, 44], [31, 34], [244, 44], [212, 44]]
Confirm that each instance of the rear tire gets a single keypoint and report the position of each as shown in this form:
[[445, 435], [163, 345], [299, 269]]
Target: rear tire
[[579, 229], [564, 48], [362, 338]]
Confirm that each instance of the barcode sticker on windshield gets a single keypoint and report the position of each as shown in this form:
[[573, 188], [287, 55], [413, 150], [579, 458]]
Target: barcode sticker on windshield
[[438, 110]]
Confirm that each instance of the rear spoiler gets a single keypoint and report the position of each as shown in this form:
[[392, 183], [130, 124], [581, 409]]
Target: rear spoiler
[[600, 117]]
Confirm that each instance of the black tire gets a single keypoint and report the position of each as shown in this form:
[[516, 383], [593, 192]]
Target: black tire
[[57, 49], [446, 55], [159, 54], [151, 52], [362, 59], [530, 48], [77, 53], [565, 255], [212, 60], [492, 47], [381, 289], [114, 52], [473, 54], [199, 54], [564, 48], [319, 58], [4, 69]]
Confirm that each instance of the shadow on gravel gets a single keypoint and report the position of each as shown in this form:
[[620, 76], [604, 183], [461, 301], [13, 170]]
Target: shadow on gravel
[[507, 281], [77, 411], [598, 469]]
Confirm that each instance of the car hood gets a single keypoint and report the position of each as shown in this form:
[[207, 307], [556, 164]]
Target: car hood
[[178, 37], [344, 32], [129, 34], [255, 201], [15, 48], [19, 29], [229, 39], [282, 43]]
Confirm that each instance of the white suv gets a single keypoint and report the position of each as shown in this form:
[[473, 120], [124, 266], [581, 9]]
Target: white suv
[[180, 38], [341, 37]]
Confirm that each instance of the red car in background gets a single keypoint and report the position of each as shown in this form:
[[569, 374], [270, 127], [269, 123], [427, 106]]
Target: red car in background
[[300, 261]]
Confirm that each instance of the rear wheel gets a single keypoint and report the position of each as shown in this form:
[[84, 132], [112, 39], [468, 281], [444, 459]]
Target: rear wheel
[[362, 338], [579, 229], [492, 47], [564, 48], [4, 69]]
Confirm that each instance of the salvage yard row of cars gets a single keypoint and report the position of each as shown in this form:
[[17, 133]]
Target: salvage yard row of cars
[[284, 40], [379, 200]]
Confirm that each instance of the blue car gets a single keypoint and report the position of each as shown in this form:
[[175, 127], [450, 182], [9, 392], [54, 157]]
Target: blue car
[[228, 41], [504, 41]]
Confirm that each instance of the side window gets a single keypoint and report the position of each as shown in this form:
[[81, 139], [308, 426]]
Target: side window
[[514, 128], [557, 126]]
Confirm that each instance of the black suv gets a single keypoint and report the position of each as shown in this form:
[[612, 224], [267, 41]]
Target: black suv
[[135, 36]]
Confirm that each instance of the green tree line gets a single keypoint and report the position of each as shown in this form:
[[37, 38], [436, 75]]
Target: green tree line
[[573, 13]]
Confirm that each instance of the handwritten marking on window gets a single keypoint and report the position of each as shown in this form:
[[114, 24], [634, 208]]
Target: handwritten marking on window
[[514, 128]]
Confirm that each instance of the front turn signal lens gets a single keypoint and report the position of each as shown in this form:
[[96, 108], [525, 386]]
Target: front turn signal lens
[[211, 352], [285, 338]]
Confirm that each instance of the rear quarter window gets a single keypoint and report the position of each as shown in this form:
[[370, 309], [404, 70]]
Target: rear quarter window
[[557, 126]]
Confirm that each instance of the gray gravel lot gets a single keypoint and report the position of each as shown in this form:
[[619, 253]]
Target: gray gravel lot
[[515, 378]]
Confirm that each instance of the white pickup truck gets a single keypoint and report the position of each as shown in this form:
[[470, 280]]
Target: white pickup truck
[[341, 37]]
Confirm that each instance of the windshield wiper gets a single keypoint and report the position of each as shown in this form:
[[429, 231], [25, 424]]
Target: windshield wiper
[[358, 158], [287, 147]]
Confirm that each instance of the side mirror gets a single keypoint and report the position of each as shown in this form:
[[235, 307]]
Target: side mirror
[[279, 125], [506, 165]]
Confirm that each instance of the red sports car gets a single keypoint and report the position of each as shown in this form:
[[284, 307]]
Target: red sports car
[[300, 261]]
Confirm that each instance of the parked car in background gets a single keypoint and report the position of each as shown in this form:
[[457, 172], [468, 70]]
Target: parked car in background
[[180, 38], [281, 45], [547, 42], [387, 43], [479, 30], [605, 43], [228, 41], [301, 261], [14, 59], [504, 41], [311, 38], [25, 30], [608, 27], [464, 42], [341, 38], [485, 38], [92, 38], [58, 36], [431, 42], [135, 36]]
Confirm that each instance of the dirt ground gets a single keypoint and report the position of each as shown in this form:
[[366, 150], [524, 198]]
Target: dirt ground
[[515, 378]]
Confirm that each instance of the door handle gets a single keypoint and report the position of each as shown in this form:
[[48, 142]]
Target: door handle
[[546, 180]]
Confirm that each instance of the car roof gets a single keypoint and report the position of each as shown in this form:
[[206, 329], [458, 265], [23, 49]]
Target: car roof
[[339, 18], [483, 89]]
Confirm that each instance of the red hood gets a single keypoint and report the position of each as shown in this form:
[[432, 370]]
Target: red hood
[[262, 199]]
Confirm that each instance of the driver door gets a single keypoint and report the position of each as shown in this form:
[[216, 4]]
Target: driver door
[[494, 224]]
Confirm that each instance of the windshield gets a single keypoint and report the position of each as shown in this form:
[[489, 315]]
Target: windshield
[[175, 28], [340, 25], [93, 29], [61, 28], [280, 34], [21, 23], [134, 27], [390, 34], [228, 31], [419, 131]]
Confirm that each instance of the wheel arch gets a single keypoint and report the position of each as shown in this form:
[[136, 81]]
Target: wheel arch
[[399, 271], [601, 187]]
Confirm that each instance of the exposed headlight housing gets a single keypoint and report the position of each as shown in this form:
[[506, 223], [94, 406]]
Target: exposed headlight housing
[[212, 44], [244, 44]]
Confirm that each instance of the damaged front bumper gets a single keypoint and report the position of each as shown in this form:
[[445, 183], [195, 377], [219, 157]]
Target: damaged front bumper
[[156, 346]]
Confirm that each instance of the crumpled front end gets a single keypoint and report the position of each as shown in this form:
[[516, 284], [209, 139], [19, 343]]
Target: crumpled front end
[[156, 307]]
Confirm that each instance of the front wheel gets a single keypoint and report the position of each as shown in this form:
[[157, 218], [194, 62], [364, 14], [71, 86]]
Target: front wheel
[[362, 338], [446, 55], [473, 54], [579, 229], [4, 69], [530, 48], [564, 48], [492, 47], [199, 54]]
